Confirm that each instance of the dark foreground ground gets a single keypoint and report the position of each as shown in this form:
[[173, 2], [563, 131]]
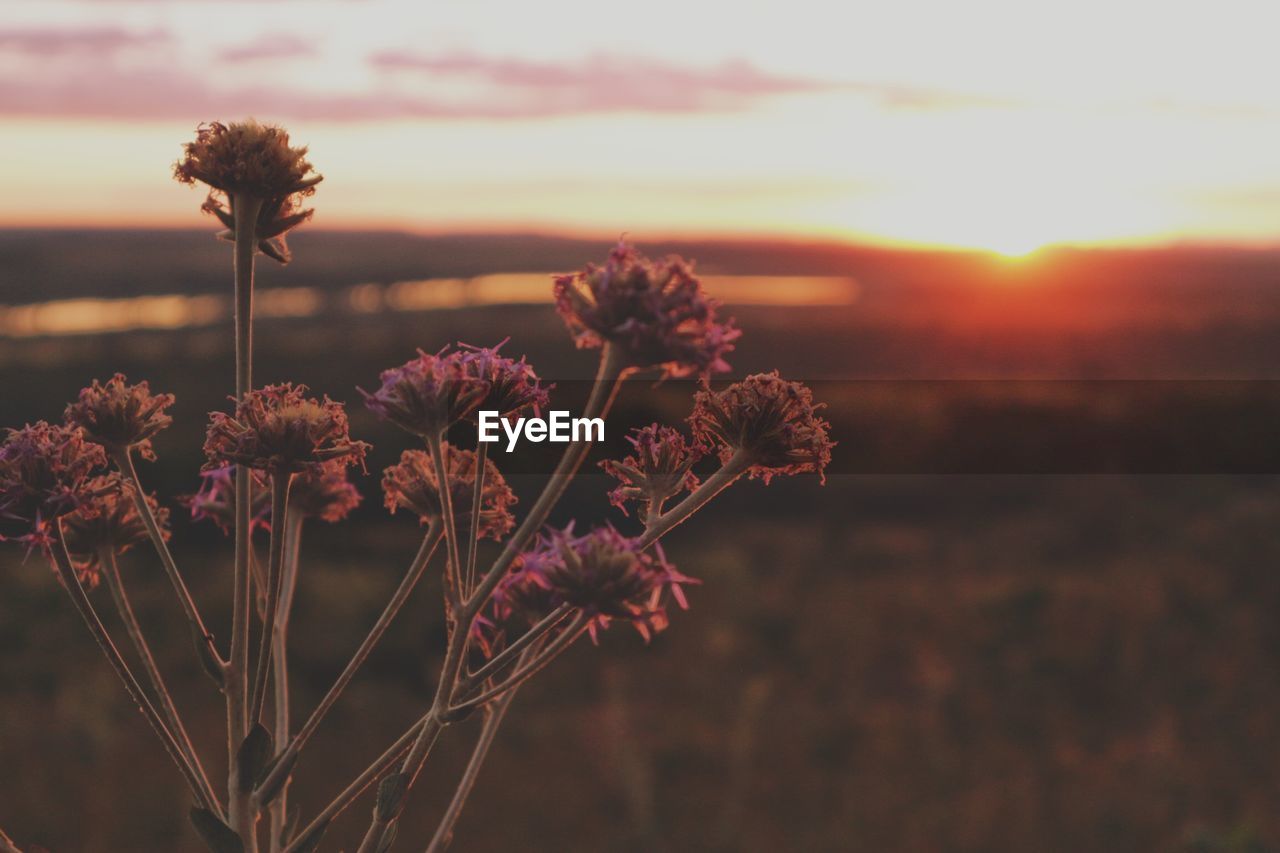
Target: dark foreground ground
[[1034, 615]]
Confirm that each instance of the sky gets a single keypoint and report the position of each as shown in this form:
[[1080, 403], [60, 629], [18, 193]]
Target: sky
[[994, 124]]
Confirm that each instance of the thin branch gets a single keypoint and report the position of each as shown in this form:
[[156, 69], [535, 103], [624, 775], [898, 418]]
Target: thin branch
[[245, 209], [453, 583], [280, 671], [512, 651], [71, 582], [357, 787], [477, 501], [420, 562], [603, 392], [115, 584], [280, 481], [494, 715], [566, 638], [205, 646], [730, 471]]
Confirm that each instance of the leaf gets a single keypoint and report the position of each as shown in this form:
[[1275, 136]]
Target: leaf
[[219, 837], [391, 793], [265, 795], [252, 756]]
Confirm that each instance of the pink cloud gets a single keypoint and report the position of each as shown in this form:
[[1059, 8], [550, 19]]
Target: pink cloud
[[269, 47], [603, 84], [49, 41]]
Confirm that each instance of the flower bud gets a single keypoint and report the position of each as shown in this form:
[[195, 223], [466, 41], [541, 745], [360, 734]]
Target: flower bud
[[428, 394], [655, 314], [46, 472], [108, 521], [512, 385], [412, 484], [280, 430], [773, 421], [120, 416], [658, 469]]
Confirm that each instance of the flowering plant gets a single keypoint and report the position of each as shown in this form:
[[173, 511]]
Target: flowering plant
[[281, 457]]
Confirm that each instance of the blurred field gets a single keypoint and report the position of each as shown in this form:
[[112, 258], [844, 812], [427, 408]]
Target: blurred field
[[1021, 615]]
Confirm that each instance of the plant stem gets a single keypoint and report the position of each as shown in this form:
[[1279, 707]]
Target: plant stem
[[730, 471], [240, 811], [477, 501], [608, 381], [509, 654], [205, 647], [280, 670], [111, 574], [7, 845], [358, 786], [453, 582], [81, 601], [280, 482], [567, 637], [411, 578], [494, 715]]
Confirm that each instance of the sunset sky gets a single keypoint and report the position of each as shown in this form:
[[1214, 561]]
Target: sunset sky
[[1000, 125]]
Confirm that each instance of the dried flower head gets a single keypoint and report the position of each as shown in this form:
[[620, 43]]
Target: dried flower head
[[120, 416], [655, 313], [659, 468], [109, 521], [604, 575], [428, 394], [279, 429], [324, 492], [251, 160], [216, 499], [512, 385], [46, 472], [773, 421], [412, 484]]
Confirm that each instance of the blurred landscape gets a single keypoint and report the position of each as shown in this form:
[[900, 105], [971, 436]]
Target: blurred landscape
[[1033, 607]]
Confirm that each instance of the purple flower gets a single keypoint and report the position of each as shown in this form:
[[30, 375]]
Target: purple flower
[[324, 492], [279, 429], [512, 385], [428, 394], [46, 472], [655, 313], [108, 521], [658, 469], [216, 499], [773, 421], [412, 484], [603, 575], [120, 416]]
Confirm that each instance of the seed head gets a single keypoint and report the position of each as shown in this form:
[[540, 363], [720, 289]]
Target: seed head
[[46, 472], [120, 416], [110, 521], [412, 484], [657, 470], [775, 422], [604, 575], [656, 313], [279, 429], [513, 386], [250, 160], [324, 492], [428, 394]]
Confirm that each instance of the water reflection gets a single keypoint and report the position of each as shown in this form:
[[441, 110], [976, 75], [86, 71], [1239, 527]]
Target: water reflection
[[97, 316]]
